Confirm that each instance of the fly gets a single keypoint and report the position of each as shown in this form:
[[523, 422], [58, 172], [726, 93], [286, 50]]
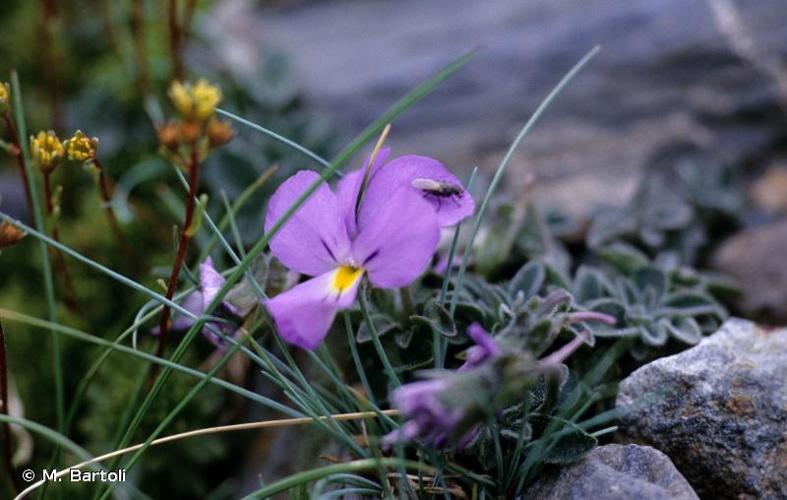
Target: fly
[[438, 189]]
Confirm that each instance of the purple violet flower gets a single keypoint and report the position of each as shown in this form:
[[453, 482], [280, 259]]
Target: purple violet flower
[[210, 282], [486, 348], [390, 239]]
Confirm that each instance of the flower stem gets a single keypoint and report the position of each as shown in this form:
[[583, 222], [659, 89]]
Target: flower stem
[[6, 409], [175, 40], [181, 255], [60, 260], [17, 152]]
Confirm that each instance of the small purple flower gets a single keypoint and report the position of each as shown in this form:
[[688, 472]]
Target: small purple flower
[[486, 348], [390, 239], [428, 417], [210, 282]]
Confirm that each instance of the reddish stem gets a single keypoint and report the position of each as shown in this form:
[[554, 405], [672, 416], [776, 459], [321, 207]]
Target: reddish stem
[[181, 255], [60, 260], [9, 122], [7, 452], [175, 41]]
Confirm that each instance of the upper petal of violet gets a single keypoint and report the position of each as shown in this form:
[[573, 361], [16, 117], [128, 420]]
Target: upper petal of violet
[[397, 237], [314, 240], [349, 186], [429, 178]]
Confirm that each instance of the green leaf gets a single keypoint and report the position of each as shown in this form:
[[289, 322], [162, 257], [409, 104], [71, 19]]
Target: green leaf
[[590, 284], [437, 317], [382, 323], [690, 303], [650, 278], [529, 279], [684, 329], [654, 334], [623, 257]]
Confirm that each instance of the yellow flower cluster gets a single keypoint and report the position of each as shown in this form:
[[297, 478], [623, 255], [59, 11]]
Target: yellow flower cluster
[[5, 97], [81, 148], [197, 102], [47, 150], [198, 126]]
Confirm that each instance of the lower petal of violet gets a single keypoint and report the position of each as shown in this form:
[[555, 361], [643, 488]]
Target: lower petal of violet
[[303, 314]]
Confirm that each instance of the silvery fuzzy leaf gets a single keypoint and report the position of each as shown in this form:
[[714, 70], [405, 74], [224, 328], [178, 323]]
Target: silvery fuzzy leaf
[[654, 333], [557, 277], [684, 329], [590, 284], [382, 323], [623, 257], [691, 303], [650, 278], [529, 279], [469, 312], [436, 317]]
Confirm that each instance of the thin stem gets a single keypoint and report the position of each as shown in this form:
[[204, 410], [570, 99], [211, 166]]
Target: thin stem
[[7, 453], [175, 40], [60, 260], [183, 244], [17, 153], [106, 199]]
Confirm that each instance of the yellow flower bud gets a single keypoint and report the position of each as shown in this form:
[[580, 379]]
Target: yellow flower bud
[[46, 150], [195, 102], [81, 148], [5, 97]]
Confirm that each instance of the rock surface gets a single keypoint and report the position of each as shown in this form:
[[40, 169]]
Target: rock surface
[[718, 410], [616, 472], [666, 73], [755, 259]]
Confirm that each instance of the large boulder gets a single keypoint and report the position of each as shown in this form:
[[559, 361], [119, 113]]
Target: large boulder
[[718, 410], [616, 472]]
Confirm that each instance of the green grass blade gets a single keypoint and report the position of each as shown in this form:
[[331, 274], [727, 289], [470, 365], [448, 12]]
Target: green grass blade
[[86, 337], [270, 133], [49, 285]]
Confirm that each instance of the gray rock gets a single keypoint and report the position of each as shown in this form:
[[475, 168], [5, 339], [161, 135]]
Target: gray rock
[[755, 259], [718, 410], [615, 472]]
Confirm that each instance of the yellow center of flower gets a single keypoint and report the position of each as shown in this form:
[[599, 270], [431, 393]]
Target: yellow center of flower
[[345, 277]]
